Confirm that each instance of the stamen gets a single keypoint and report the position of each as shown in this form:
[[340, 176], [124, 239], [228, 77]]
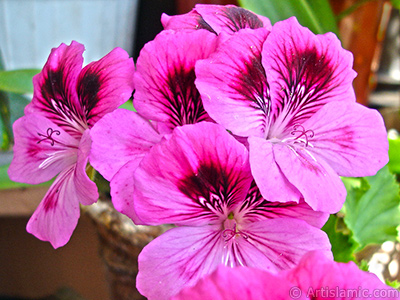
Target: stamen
[[302, 134], [228, 233], [49, 137]]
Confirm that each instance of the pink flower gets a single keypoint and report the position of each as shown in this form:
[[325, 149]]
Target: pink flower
[[315, 277], [217, 19], [166, 95], [53, 136], [199, 179], [290, 92]]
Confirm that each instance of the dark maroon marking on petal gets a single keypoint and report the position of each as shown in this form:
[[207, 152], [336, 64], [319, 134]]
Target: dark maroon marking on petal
[[309, 83], [240, 18], [56, 100], [88, 89], [51, 201], [204, 25], [256, 206], [212, 187], [252, 85], [184, 104]]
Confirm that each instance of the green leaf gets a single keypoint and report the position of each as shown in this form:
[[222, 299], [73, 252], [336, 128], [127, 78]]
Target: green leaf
[[343, 246], [372, 208], [317, 15], [17, 81], [394, 155], [128, 105], [396, 4]]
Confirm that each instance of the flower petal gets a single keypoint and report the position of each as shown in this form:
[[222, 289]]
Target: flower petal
[[120, 137], [305, 71], [105, 84], [55, 89], [57, 215], [41, 150], [165, 89], [255, 207], [321, 278], [122, 187], [239, 283], [178, 258], [283, 241], [193, 177], [191, 20], [233, 84], [230, 18], [320, 186], [270, 179], [351, 138]]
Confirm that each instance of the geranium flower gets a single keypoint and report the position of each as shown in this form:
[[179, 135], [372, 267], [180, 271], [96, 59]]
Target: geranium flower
[[53, 136], [316, 277], [165, 94], [199, 179], [290, 92], [217, 19]]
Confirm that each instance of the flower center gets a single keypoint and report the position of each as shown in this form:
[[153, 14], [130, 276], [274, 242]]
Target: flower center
[[229, 233]]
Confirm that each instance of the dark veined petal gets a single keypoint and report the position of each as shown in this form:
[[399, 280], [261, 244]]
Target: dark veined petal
[[241, 283], [55, 93], [191, 20], [105, 84], [165, 90], [350, 137], [195, 177], [256, 207], [233, 84], [305, 71], [230, 18], [41, 150]]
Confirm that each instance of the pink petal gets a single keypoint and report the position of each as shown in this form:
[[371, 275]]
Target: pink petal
[[230, 18], [269, 177], [120, 137], [165, 90], [283, 241], [105, 84], [322, 278], [351, 138], [255, 208], [57, 215], [41, 150], [176, 259], [233, 85], [320, 186], [122, 187], [55, 89], [191, 20], [193, 177], [305, 71], [239, 283]]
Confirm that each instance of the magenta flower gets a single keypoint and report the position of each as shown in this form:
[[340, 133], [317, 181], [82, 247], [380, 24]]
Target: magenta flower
[[217, 19], [199, 179], [316, 277], [290, 92], [166, 95], [53, 136]]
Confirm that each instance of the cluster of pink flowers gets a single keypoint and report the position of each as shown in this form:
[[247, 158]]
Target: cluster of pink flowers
[[241, 133]]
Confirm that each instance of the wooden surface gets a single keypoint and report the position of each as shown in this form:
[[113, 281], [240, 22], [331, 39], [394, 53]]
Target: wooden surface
[[21, 202]]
